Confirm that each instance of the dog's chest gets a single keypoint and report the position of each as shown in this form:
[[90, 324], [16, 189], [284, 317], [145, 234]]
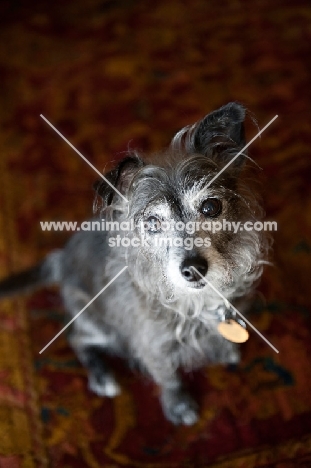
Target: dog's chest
[[192, 344], [185, 344]]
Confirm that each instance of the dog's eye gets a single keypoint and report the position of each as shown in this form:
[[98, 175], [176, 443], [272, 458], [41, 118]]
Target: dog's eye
[[153, 224], [211, 207]]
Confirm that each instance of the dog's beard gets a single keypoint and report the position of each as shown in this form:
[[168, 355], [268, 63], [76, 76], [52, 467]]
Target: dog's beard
[[163, 281], [233, 276]]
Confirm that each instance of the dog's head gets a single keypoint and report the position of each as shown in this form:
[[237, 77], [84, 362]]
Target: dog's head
[[180, 201]]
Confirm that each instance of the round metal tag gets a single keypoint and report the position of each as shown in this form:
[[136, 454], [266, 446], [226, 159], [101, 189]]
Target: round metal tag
[[233, 331]]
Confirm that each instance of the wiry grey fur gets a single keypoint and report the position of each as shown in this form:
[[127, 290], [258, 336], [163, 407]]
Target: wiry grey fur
[[151, 314]]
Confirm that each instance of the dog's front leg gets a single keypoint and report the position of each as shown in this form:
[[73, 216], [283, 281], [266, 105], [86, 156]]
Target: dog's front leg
[[178, 406]]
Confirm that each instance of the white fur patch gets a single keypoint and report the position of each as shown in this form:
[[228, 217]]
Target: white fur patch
[[108, 387]]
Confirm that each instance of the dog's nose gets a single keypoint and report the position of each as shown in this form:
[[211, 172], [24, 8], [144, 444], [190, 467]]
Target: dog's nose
[[189, 266]]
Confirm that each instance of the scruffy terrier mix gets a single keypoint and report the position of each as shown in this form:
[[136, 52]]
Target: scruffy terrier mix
[[160, 312]]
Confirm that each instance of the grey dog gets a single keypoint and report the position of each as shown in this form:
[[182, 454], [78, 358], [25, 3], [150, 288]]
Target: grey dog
[[160, 312]]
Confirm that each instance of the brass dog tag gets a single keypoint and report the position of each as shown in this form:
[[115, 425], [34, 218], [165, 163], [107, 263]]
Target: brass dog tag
[[233, 331]]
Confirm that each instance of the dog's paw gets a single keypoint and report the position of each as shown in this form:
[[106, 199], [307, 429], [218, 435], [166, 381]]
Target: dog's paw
[[104, 385], [179, 407]]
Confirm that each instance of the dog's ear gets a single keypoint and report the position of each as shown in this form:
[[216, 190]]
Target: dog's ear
[[120, 177], [219, 133]]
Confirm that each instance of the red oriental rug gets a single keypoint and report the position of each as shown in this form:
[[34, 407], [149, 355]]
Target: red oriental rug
[[107, 73]]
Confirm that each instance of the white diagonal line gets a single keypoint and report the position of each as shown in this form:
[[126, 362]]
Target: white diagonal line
[[83, 157], [236, 310], [237, 155], [82, 310]]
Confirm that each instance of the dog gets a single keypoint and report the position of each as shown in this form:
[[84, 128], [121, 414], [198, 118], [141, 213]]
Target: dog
[[161, 312]]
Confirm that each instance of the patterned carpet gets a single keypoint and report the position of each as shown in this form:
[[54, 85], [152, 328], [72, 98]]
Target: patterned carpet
[[107, 73]]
